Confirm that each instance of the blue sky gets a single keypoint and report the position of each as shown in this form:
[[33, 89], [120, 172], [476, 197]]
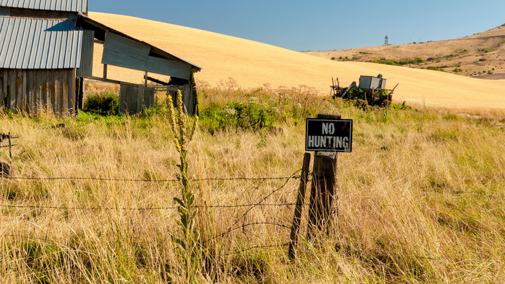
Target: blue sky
[[321, 25]]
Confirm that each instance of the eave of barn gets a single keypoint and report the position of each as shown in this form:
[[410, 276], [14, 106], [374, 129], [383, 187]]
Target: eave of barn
[[49, 5], [128, 52]]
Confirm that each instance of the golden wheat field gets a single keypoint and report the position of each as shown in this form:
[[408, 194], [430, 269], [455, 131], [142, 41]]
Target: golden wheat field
[[253, 64]]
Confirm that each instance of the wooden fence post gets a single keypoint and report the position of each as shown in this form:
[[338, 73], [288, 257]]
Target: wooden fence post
[[299, 205], [323, 188]]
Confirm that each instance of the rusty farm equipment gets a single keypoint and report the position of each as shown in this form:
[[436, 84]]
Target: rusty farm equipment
[[5, 169], [371, 91]]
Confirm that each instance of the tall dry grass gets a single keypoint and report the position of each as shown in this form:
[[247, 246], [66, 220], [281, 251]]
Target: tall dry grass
[[421, 198]]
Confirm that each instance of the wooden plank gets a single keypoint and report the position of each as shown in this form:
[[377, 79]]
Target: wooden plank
[[64, 92], [140, 98], [32, 90], [149, 94], [299, 205], [38, 92], [5, 85], [2, 93], [25, 91], [81, 93], [128, 97], [105, 71], [13, 90], [46, 92], [194, 96], [55, 92], [121, 97], [186, 94], [71, 92], [19, 90]]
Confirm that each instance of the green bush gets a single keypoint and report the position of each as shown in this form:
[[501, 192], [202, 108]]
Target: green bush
[[103, 103], [333, 58], [397, 62], [482, 59], [458, 70], [251, 115], [486, 50], [435, 68]]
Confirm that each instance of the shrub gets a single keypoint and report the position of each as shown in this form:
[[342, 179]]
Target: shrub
[[103, 103], [482, 59], [486, 50], [435, 68], [458, 70], [333, 58]]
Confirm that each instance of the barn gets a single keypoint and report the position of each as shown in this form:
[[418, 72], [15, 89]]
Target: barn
[[46, 54]]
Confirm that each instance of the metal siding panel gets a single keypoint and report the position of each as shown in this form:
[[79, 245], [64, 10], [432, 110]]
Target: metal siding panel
[[364, 82], [13, 44], [35, 44], [86, 58], [168, 67], [4, 39], [111, 57], [55, 5], [127, 46], [29, 44]]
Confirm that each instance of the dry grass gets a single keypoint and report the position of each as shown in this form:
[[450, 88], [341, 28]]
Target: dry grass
[[421, 199], [252, 64]]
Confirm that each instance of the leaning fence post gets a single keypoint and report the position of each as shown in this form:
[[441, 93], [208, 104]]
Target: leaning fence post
[[299, 205], [323, 187]]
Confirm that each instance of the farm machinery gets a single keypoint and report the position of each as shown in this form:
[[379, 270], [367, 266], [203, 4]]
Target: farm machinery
[[371, 91]]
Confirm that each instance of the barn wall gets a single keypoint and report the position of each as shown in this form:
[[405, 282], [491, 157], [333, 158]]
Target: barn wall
[[37, 91], [134, 98]]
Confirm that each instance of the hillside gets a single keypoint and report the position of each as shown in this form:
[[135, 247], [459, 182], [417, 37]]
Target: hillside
[[481, 55], [253, 64]]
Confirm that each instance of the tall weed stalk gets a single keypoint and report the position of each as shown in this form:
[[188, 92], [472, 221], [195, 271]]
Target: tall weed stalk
[[187, 245]]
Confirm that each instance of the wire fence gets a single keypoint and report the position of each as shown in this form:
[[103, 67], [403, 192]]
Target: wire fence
[[234, 227]]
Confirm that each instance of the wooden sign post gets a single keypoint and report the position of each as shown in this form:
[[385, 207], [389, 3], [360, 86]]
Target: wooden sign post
[[327, 135]]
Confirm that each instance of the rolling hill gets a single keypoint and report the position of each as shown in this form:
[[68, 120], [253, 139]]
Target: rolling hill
[[253, 64], [481, 55]]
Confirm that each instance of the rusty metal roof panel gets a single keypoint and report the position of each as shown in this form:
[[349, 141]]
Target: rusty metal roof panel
[[52, 5], [39, 44]]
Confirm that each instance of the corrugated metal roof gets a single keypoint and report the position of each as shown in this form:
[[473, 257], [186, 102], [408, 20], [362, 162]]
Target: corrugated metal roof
[[53, 5], [39, 44]]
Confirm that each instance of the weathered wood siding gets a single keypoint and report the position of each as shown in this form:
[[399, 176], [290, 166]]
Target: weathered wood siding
[[36, 91], [134, 98]]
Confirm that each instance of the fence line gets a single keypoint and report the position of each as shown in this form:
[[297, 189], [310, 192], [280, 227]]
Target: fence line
[[227, 231], [145, 180], [252, 205]]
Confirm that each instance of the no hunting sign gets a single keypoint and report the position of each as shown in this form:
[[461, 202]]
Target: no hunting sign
[[328, 135]]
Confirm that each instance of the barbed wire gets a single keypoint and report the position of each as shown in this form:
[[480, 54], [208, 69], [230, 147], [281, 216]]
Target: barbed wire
[[145, 180], [138, 209], [232, 227], [252, 205]]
